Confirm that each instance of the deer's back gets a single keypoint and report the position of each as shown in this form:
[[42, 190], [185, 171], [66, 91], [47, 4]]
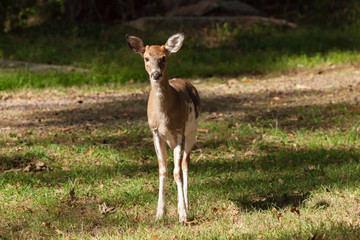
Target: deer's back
[[188, 91]]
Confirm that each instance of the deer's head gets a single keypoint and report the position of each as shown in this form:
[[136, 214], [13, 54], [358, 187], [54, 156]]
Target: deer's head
[[155, 56]]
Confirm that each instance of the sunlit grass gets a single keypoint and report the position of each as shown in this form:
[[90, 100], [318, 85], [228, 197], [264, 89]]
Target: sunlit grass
[[261, 50], [270, 178]]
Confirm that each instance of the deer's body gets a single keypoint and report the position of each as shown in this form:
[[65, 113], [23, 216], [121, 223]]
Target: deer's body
[[173, 111], [167, 116]]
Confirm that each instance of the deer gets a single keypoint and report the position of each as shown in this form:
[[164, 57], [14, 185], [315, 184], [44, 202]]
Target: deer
[[172, 111]]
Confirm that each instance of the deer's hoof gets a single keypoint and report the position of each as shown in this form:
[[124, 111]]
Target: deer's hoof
[[160, 215], [182, 219]]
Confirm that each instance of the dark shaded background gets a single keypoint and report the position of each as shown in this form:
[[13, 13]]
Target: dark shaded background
[[24, 13]]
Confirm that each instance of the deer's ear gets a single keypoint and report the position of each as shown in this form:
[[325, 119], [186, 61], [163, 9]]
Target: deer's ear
[[174, 43], [135, 44]]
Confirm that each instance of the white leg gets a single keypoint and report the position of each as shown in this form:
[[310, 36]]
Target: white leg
[[189, 143], [178, 179], [160, 148], [184, 168]]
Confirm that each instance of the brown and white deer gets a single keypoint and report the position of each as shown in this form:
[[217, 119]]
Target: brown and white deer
[[173, 112]]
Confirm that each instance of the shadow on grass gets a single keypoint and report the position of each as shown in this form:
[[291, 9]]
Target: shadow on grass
[[259, 176], [253, 108], [20, 160], [251, 183], [276, 177], [337, 231]]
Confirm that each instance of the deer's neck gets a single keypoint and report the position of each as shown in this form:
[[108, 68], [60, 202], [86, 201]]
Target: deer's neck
[[161, 92], [161, 99]]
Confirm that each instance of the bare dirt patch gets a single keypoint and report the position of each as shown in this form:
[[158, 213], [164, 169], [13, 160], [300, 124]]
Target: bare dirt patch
[[245, 98]]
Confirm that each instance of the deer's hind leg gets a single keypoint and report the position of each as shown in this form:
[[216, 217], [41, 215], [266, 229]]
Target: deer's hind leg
[[189, 143]]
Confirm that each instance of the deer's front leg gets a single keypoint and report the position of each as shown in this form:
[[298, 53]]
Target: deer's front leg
[[160, 148], [178, 154]]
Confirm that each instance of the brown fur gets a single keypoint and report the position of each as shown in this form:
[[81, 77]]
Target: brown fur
[[186, 88]]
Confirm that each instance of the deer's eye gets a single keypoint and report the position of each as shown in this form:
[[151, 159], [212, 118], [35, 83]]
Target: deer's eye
[[163, 59], [146, 59]]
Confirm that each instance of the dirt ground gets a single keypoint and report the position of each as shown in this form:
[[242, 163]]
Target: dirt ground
[[246, 97]]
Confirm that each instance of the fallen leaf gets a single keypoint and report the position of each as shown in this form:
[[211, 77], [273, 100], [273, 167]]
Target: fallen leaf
[[203, 130], [234, 211], [276, 98], [40, 164], [295, 211], [65, 168], [59, 232], [307, 169], [318, 237], [312, 167], [46, 224], [106, 209], [27, 168], [17, 185], [193, 222], [291, 136], [215, 209], [293, 118], [89, 151], [26, 209]]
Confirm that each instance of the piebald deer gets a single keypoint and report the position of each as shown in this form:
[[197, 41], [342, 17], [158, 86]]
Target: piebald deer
[[173, 111]]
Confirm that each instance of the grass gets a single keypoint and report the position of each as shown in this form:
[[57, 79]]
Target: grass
[[220, 50], [256, 173], [263, 167]]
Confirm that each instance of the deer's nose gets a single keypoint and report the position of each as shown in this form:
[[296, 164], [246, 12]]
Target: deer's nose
[[156, 75]]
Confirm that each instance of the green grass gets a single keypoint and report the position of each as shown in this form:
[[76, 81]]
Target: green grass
[[233, 52], [249, 171], [246, 176]]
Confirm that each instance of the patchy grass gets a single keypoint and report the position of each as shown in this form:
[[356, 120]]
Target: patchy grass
[[220, 50], [269, 163]]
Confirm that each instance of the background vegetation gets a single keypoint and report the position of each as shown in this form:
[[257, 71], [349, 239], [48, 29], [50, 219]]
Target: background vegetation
[[277, 153], [327, 35]]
